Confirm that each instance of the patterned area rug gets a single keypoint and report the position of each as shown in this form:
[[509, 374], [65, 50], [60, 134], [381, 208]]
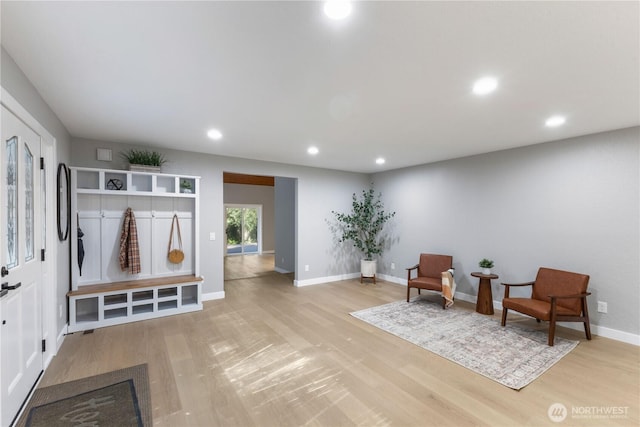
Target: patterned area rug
[[513, 356], [118, 398]]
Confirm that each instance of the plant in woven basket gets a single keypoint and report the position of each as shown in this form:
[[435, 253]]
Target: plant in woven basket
[[144, 157]]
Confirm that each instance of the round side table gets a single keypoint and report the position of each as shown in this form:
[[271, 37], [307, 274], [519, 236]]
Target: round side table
[[484, 305]]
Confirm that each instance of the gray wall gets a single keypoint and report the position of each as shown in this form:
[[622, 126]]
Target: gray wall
[[571, 205], [285, 220], [255, 195], [17, 84], [315, 187]]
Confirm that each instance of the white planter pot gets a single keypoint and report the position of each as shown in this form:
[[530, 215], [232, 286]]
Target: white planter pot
[[486, 271], [368, 268]]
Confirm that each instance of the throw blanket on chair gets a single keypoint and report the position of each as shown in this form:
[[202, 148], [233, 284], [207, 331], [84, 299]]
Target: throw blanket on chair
[[448, 286], [129, 251]]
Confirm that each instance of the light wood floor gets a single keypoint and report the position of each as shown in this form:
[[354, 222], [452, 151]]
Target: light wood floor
[[246, 266], [270, 354]]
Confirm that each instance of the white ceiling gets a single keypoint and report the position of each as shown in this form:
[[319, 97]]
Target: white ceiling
[[393, 80]]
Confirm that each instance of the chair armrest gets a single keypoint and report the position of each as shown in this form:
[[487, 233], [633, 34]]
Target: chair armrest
[[508, 285], [409, 269], [583, 295], [517, 284]]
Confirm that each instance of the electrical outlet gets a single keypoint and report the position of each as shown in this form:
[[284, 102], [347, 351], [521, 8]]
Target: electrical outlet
[[602, 307], [212, 236], [393, 265], [306, 267]]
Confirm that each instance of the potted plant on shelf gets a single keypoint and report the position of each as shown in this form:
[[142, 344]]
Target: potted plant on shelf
[[185, 186], [363, 226], [486, 265], [144, 160]]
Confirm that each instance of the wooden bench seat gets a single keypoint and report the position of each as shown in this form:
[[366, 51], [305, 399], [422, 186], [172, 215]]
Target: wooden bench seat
[[134, 284]]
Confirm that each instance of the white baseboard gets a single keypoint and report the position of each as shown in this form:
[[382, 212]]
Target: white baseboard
[[61, 335], [281, 270], [327, 279], [210, 296], [393, 279]]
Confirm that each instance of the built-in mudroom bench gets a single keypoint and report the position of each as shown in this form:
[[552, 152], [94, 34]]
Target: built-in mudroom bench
[[103, 203], [109, 304]]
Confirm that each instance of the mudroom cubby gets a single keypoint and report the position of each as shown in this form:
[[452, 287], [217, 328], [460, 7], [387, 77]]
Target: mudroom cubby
[[101, 293]]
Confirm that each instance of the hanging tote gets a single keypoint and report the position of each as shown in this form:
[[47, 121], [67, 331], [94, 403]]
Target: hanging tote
[[175, 255]]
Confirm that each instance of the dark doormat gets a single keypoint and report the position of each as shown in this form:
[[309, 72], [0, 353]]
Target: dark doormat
[[117, 398]]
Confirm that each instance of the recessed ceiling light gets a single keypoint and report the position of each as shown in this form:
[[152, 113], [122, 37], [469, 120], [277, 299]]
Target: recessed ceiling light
[[555, 121], [380, 161], [214, 134], [485, 85], [337, 9], [313, 150]]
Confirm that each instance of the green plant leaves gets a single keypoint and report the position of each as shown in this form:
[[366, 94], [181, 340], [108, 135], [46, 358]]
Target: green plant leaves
[[365, 222], [144, 157]]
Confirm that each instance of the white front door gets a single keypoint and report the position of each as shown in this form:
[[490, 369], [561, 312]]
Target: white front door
[[21, 217]]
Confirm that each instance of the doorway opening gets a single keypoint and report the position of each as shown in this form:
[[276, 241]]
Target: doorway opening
[[258, 242]]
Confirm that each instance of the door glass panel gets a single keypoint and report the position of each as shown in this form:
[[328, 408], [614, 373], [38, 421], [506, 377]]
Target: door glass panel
[[242, 230], [234, 230], [12, 203], [28, 204], [250, 230]]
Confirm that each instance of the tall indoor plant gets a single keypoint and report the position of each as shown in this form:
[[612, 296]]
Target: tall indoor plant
[[363, 226]]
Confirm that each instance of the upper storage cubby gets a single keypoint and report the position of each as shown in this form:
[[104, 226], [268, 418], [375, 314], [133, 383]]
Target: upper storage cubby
[[105, 181]]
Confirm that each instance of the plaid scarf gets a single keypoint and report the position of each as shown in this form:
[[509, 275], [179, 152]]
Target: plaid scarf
[[129, 251]]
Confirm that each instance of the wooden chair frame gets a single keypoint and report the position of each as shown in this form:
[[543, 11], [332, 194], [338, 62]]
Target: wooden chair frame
[[419, 288], [555, 317]]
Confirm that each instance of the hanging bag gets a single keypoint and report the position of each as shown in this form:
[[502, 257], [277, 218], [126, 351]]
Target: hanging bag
[[175, 255]]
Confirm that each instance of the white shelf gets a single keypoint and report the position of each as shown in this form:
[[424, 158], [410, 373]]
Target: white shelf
[[90, 308], [118, 182], [99, 198]]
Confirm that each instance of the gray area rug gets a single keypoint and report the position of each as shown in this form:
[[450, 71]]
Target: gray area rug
[[513, 356], [117, 398]]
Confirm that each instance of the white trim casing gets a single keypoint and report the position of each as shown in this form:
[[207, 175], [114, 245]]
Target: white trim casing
[[210, 296]]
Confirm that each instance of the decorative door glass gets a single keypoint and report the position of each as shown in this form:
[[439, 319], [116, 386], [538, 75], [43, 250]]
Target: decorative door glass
[[29, 204], [12, 202]]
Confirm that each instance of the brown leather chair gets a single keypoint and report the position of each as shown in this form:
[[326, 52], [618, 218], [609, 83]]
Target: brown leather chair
[[429, 274], [556, 296]]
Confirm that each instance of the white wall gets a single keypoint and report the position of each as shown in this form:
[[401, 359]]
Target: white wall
[[571, 205], [319, 191], [263, 195]]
